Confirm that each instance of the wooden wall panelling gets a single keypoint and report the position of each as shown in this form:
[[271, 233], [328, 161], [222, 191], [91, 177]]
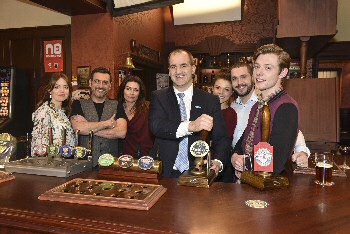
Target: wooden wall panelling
[[307, 18], [318, 101]]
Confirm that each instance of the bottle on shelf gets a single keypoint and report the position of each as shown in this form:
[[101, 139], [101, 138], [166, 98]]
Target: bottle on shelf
[[212, 77], [205, 78]]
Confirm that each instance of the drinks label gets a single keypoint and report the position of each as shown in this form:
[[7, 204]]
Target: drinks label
[[40, 150], [125, 161], [80, 152], [199, 148], [106, 160], [145, 162], [263, 157], [52, 150], [66, 151]]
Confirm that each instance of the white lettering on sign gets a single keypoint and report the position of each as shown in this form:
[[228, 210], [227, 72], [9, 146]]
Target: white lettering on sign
[[53, 49]]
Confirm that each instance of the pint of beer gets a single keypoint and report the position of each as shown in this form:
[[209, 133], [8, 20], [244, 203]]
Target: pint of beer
[[324, 167]]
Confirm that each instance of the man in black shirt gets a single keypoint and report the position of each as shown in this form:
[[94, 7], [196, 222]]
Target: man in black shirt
[[99, 114]]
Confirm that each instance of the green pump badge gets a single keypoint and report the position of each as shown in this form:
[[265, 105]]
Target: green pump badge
[[106, 160]]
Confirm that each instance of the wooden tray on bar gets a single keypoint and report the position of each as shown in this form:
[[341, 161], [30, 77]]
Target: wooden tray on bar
[[106, 193]]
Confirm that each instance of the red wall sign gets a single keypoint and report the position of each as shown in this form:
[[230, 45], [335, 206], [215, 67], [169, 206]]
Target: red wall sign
[[53, 56]]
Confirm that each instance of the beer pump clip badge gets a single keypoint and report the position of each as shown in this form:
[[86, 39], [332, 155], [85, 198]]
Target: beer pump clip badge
[[263, 157], [106, 160]]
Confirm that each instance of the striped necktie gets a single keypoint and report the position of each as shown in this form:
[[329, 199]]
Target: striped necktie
[[181, 162]]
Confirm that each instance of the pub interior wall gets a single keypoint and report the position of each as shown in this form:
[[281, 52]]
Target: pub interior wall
[[258, 21], [100, 40]]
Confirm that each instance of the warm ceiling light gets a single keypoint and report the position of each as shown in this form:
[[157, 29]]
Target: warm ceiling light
[[207, 11]]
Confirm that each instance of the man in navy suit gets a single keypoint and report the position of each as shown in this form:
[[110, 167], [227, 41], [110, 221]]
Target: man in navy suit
[[202, 113]]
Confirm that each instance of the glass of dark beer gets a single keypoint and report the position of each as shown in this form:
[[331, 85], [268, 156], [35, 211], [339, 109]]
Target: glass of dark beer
[[324, 167]]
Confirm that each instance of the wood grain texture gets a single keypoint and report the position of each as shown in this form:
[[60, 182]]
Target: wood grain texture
[[302, 207], [318, 105]]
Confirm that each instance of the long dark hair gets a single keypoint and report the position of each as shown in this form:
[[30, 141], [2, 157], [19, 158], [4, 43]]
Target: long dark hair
[[141, 102], [66, 104]]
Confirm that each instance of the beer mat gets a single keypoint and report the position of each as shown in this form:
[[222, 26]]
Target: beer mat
[[312, 171], [259, 204], [106, 193], [5, 176]]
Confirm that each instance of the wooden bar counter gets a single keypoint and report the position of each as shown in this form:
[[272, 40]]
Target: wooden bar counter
[[304, 207]]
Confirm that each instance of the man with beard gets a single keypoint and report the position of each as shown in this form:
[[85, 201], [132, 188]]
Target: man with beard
[[270, 67], [99, 114], [243, 87]]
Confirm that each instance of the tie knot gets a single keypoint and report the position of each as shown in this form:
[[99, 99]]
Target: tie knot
[[181, 95]]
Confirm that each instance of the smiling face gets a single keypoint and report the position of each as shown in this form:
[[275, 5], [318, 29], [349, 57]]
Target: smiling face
[[131, 92], [223, 89], [267, 75], [100, 85], [181, 70], [60, 92], [242, 81]]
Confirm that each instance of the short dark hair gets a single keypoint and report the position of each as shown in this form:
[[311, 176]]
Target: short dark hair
[[102, 70], [243, 64], [177, 51], [283, 56]]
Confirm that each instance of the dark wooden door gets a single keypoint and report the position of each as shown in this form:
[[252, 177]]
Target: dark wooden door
[[23, 49]]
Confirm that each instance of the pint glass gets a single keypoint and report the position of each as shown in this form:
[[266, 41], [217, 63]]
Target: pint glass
[[324, 167]]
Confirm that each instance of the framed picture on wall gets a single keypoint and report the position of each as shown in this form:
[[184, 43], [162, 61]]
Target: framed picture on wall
[[83, 73]]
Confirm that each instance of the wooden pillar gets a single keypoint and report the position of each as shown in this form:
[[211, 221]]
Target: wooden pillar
[[303, 56]]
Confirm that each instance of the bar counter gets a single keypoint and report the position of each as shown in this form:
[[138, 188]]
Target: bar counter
[[301, 208]]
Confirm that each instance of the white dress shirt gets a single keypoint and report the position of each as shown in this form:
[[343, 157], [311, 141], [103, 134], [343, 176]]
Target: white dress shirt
[[182, 130], [243, 111]]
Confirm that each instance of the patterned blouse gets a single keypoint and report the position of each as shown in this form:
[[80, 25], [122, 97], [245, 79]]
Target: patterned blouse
[[43, 118]]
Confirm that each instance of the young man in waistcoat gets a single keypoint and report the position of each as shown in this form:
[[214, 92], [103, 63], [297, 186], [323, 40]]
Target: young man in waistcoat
[[271, 66], [99, 114]]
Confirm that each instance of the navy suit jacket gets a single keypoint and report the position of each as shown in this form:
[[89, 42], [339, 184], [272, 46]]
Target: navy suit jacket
[[165, 119]]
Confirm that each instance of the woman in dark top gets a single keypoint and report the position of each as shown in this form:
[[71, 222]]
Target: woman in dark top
[[131, 100], [222, 88]]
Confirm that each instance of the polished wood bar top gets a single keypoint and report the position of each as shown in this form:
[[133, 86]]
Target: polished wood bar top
[[301, 208]]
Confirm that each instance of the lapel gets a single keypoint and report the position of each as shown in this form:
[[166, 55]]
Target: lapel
[[196, 105], [173, 104]]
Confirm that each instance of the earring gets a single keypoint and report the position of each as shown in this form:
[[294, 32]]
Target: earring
[[50, 96]]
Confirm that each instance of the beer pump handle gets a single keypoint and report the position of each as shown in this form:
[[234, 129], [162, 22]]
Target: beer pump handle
[[265, 123], [91, 136], [77, 137], [138, 151], [157, 154], [64, 139], [209, 158], [28, 148], [50, 136], [204, 135], [89, 151]]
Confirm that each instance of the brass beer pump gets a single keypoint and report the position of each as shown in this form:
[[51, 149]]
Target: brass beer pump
[[199, 176], [264, 180]]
